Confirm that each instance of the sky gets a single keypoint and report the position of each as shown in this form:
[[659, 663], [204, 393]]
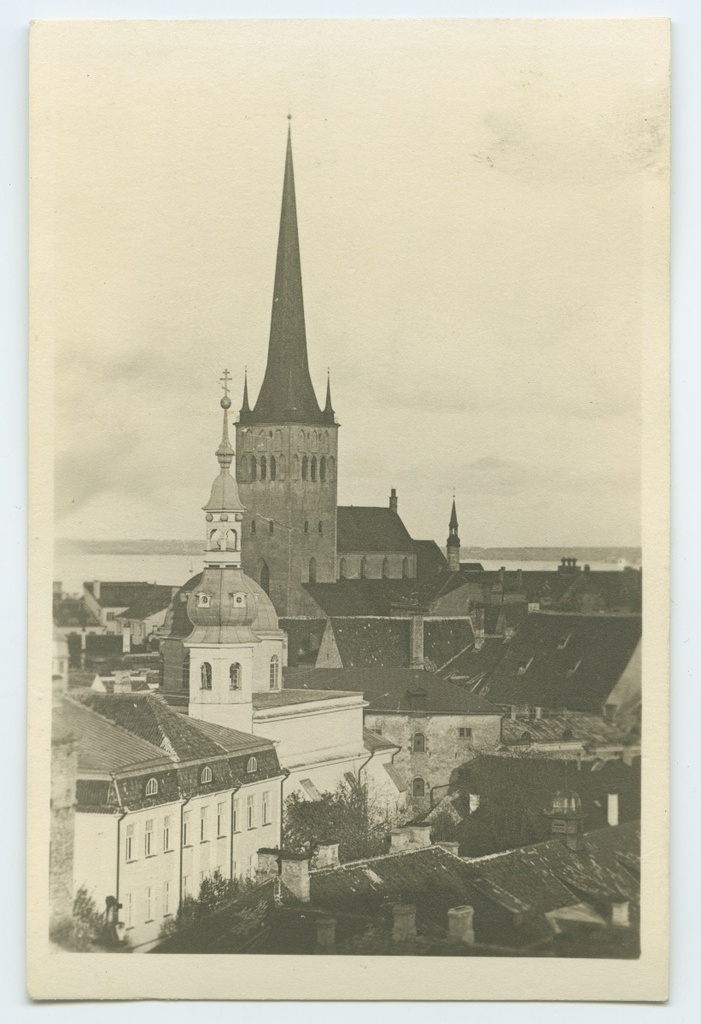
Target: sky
[[472, 202]]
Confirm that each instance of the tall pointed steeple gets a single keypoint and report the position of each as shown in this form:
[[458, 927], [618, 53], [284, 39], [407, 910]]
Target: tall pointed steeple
[[328, 408], [287, 393], [453, 545], [245, 407]]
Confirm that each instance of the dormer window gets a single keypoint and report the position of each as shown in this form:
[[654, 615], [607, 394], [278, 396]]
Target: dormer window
[[203, 600], [152, 787], [206, 775], [252, 766]]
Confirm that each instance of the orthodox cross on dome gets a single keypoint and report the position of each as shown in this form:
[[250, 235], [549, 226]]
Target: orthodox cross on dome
[[224, 381]]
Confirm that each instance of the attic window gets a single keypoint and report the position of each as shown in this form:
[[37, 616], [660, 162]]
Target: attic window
[[564, 642], [203, 600], [571, 671], [206, 775], [526, 737], [152, 787], [567, 734], [252, 766], [524, 668]]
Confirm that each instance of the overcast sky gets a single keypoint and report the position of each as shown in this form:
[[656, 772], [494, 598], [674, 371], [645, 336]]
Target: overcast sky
[[471, 203]]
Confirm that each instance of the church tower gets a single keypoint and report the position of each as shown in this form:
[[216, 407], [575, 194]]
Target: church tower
[[287, 445], [453, 544]]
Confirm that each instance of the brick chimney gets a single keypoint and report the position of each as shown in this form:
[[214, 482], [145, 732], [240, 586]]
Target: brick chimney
[[326, 856], [326, 935], [410, 837], [453, 848], [393, 501], [122, 681], [294, 873], [460, 925], [620, 914], [404, 922], [416, 631], [612, 808], [268, 864]]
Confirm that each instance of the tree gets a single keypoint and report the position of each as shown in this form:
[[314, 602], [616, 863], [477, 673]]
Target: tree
[[216, 892], [347, 817]]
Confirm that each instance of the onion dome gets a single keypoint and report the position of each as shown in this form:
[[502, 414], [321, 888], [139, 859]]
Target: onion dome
[[225, 605]]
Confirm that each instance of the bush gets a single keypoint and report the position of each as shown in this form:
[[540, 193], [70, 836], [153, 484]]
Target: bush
[[216, 892], [346, 817]]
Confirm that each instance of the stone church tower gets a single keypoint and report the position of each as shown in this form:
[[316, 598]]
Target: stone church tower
[[287, 445]]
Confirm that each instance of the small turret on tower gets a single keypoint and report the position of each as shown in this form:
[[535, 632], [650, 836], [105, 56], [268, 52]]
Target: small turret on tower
[[453, 543], [224, 511]]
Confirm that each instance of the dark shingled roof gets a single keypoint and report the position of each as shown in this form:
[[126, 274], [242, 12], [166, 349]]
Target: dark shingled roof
[[371, 643], [563, 661], [475, 660], [303, 639], [264, 699], [367, 528], [154, 600], [401, 690], [575, 725], [383, 597], [104, 747], [429, 558], [118, 595]]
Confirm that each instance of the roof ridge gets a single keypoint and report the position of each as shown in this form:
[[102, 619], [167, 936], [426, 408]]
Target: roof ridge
[[382, 856]]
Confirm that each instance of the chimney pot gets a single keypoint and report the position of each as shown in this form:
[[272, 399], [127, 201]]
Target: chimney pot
[[268, 863], [326, 856], [612, 808], [294, 873], [404, 922], [393, 500], [460, 925]]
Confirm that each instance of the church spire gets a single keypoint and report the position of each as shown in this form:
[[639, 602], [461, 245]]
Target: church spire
[[224, 498], [245, 407], [287, 393], [328, 408], [453, 545]]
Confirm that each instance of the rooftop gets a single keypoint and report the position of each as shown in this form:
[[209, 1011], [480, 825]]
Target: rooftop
[[264, 699], [155, 599], [358, 597], [118, 595], [369, 528]]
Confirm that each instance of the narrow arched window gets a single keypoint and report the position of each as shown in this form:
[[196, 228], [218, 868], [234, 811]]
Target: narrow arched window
[[152, 787], [206, 675], [235, 676], [295, 468], [253, 526], [322, 468], [363, 568], [271, 527], [206, 775], [312, 570], [278, 438], [305, 467], [273, 468], [342, 569], [253, 467], [313, 469], [281, 467], [332, 467], [252, 765], [274, 672], [306, 526], [385, 568], [263, 467], [418, 787], [321, 527], [405, 567], [265, 577], [418, 743]]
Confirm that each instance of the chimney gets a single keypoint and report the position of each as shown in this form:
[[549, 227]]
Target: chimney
[[122, 682], [460, 925], [420, 836], [620, 914], [294, 873], [326, 856], [326, 935], [416, 656], [453, 848], [502, 574], [612, 808], [96, 589], [268, 864], [410, 837], [393, 502], [538, 713], [404, 922]]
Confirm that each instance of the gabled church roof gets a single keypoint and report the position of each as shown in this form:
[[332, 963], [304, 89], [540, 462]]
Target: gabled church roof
[[287, 393], [370, 528]]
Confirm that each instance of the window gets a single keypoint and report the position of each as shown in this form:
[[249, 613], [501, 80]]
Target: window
[[332, 467], [343, 569], [253, 526], [166, 832], [274, 672], [418, 787], [418, 743], [385, 568], [252, 765], [129, 851], [250, 812], [263, 467], [312, 570], [237, 816], [148, 838], [186, 886], [235, 676], [206, 676], [166, 899], [271, 526], [306, 526], [221, 808], [273, 468], [265, 577], [567, 735], [253, 468], [151, 787], [465, 734], [127, 901], [149, 904], [186, 828], [363, 568], [313, 468], [305, 467], [110, 616], [206, 775], [405, 567], [281, 467], [321, 527], [322, 468], [203, 599], [266, 808], [204, 824]]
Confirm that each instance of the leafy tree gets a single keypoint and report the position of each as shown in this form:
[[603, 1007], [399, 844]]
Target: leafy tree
[[85, 929], [347, 817], [216, 892]]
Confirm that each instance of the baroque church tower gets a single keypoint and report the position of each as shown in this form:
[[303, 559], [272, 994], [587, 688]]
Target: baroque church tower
[[287, 445]]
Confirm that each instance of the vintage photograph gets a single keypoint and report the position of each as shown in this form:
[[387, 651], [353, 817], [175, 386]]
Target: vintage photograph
[[344, 335]]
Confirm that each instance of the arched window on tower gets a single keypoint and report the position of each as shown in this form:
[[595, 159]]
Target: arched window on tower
[[206, 676], [281, 467], [235, 676], [418, 743], [274, 672], [322, 469], [264, 575], [312, 570], [263, 467], [253, 467], [305, 467], [363, 568], [306, 526], [253, 526], [405, 567], [278, 439], [273, 468], [313, 468], [321, 527], [418, 788], [332, 467], [271, 527], [231, 540], [342, 569], [385, 568], [295, 468]]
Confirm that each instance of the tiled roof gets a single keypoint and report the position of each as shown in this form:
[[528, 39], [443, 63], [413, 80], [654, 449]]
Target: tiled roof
[[475, 660], [384, 597], [445, 638], [118, 595], [429, 558], [264, 699], [372, 642], [230, 740], [303, 639], [373, 741], [104, 747], [154, 600], [570, 725], [564, 661], [395, 690], [364, 528]]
